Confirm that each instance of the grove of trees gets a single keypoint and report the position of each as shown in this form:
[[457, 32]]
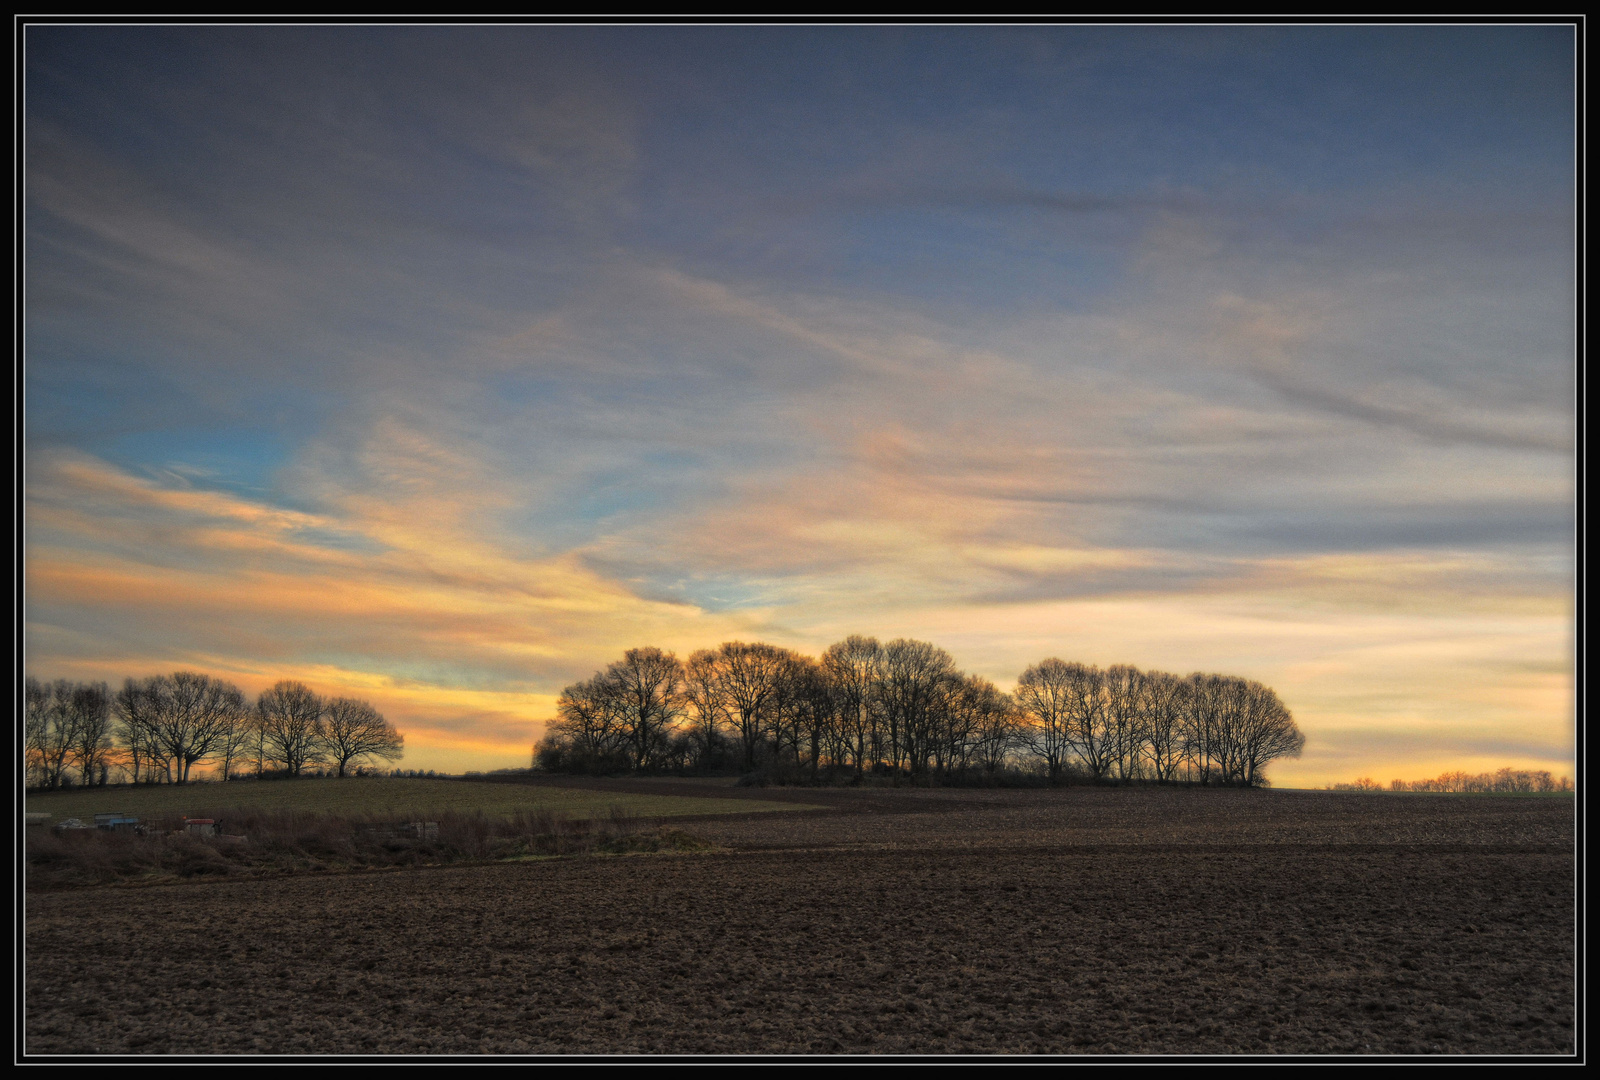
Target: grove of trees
[[1506, 781], [903, 709], [157, 730]]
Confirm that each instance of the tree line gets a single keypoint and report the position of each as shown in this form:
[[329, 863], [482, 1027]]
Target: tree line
[[903, 709], [1502, 781], [157, 730]]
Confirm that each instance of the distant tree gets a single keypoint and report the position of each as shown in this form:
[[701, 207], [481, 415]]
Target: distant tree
[[807, 704], [1262, 730], [135, 726], [240, 742], [589, 733], [854, 669], [48, 730], [1508, 780], [290, 717], [1124, 697], [708, 711], [89, 730], [980, 727], [352, 730], [1165, 700], [997, 730], [1089, 726], [749, 677], [915, 679], [1045, 697], [647, 685], [177, 720], [1205, 727], [35, 706]]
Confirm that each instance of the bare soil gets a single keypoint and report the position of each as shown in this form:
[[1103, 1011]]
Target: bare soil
[[1074, 921]]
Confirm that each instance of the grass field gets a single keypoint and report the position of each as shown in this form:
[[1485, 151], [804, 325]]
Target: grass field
[[376, 796]]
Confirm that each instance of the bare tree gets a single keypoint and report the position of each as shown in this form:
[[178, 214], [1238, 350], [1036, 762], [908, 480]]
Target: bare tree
[[1203, 726], [1266, 732], [1164, 703], [854, 668], [1124, 700], [1044, 695], [353, 729], [703, 693], [177, 720], [47, 726], [135, 709], [805, 703], [66, 729], [35, 717], [1088, 727], [89, 729], [977, 727], [290, 716], [998, 729], [241, 741], [589, 728], [648, 686], [750, 675], [911, 688]]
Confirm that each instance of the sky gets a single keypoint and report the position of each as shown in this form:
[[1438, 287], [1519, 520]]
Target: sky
[[439, 365]]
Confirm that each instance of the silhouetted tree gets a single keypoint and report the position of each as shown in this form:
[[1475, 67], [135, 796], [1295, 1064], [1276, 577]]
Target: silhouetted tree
[[89, 729], [647, 686], [241, 741], [135, 712], [1203, 735], [290, 716], [749, 677], [1165, 698], [806, 702], [352, 730], [589, 733], [1123, 697], [1045, 697], [998, 729], [854, 669], [176, 720], [913, 681], [702, 692], [977, 727], [48, 730], [1265, 732]]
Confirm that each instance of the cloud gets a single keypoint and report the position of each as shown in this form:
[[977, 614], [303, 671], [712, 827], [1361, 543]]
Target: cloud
[[460, 361], [423, 611]]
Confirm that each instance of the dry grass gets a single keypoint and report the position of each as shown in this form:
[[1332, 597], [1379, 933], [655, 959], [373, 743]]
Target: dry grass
[[255, 843], [382, 796]]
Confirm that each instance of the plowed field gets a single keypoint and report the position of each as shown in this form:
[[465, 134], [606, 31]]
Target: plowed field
[[1076, 921]]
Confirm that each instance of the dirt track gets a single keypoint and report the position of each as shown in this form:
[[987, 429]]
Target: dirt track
[[1079, 921]]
